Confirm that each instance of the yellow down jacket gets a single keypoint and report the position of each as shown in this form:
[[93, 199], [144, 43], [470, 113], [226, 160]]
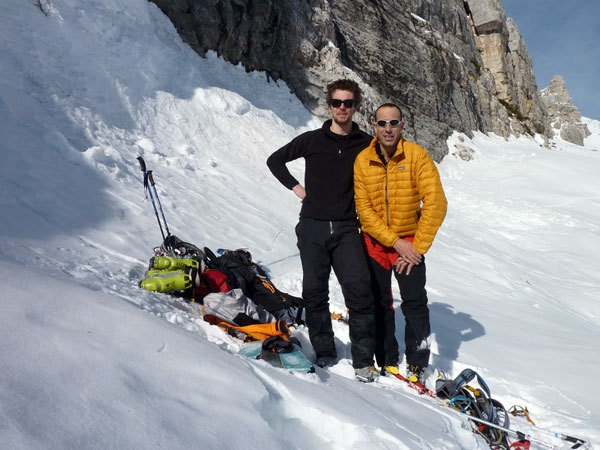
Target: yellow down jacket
[[404, 198]]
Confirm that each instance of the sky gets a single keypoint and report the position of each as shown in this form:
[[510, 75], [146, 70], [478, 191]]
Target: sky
[[91, 361], [562, 38]]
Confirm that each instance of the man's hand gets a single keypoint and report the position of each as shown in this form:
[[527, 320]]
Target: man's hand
[[299, 191], [401, 264], [408, 256]]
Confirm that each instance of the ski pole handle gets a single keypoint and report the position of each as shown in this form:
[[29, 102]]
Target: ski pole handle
[[576, 441], [150, 178], [142, 163]]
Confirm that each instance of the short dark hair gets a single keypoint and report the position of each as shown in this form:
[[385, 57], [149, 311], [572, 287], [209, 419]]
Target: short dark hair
[[345, 85], [387, 105]]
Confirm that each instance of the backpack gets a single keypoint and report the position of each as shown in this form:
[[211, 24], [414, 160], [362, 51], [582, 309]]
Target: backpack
[[476, 402], [211, 280], [234, 307], [234, 313], [242, 273], [237, 265]]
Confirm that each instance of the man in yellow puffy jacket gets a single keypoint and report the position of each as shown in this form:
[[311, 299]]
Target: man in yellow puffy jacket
[[401, 205]]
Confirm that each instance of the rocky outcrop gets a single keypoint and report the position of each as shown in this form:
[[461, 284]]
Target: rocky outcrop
[[450, 64], [506, 58], [563, 115]]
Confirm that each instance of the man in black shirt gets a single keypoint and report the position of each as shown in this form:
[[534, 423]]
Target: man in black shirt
[[328, 231]]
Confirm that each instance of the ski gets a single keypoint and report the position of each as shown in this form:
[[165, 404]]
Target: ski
[[417, 386], [524, 438], [523, 441]]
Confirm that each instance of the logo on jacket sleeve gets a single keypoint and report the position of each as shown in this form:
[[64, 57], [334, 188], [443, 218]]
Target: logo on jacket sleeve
[[401, 168]]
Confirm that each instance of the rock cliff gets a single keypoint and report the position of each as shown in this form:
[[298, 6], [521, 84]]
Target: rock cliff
[[564, 116], [450, 64]]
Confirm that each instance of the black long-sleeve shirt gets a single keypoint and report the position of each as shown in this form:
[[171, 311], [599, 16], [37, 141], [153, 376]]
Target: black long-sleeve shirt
[[328, 177]]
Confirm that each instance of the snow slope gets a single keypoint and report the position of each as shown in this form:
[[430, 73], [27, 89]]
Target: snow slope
[[91, 361]]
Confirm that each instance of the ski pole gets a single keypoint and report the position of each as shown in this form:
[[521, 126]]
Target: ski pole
[[520, 435], [151, 179], [167, 242], [148, 176]]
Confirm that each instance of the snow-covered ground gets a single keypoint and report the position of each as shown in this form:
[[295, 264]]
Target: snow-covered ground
[[88, 360]]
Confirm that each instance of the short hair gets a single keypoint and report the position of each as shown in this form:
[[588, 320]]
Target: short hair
[[387, 105], [345, 85]]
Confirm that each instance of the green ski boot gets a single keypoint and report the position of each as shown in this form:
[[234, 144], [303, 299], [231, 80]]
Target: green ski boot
[[158, 273], [170, 263], [166, 281]]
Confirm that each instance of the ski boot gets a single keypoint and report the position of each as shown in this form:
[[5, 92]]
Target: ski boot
[[170, 263], [167, 280]]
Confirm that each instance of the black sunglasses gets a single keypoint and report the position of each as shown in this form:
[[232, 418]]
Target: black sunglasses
[[394, 123], [336, 103]]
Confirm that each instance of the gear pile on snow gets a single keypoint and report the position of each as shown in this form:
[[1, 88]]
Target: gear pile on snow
[[478, 403], [489, 417], [234, 290], [200, 276], [236, 295]]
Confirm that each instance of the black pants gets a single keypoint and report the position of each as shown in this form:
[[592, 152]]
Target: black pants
[[325, 245], [416, 315]]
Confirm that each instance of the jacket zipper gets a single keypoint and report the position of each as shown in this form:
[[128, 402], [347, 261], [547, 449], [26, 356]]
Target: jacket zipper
[[387, 202]]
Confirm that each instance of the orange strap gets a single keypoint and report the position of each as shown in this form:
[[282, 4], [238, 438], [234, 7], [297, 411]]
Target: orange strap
[[256, 332]]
